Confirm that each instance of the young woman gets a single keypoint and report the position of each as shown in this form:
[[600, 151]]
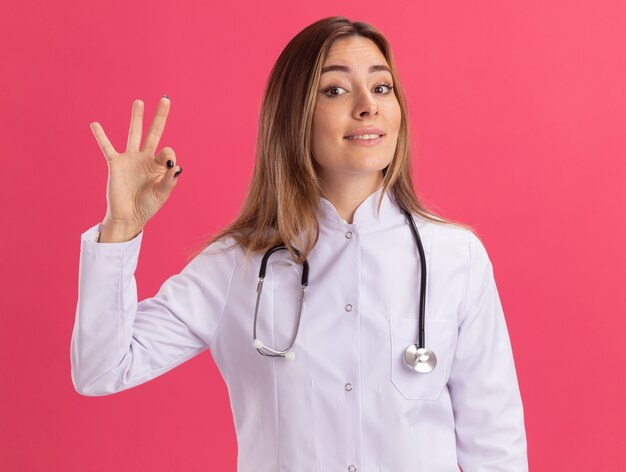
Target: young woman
[[375, 341]]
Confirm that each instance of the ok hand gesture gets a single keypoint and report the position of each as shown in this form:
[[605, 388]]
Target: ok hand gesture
[[139, 182]]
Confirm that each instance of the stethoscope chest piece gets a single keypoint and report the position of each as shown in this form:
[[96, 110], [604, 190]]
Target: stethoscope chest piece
[[421, 360]]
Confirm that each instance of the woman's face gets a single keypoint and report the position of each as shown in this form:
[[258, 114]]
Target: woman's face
[[354, 93]]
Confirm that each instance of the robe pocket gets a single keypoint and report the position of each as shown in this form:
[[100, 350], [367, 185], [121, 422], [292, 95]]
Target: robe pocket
[[440, 338]]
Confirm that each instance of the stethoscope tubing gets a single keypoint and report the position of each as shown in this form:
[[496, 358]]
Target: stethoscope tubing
[[422, 302], [417, 356], [259, 289]]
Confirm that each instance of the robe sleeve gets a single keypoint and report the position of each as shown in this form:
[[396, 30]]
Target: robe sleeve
[[117, 342], [483, 385]]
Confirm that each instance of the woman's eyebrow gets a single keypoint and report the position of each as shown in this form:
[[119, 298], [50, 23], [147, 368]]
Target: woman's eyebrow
[[341, 68]]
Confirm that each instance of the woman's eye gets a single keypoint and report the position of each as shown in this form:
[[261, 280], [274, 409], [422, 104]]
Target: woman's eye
[[389, 86], [332, 87]]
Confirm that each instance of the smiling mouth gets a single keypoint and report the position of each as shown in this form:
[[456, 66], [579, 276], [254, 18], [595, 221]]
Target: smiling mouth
[[364, 137], [371, 140]]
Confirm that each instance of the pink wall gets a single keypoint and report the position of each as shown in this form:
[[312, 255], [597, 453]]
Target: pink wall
[[518, 115]]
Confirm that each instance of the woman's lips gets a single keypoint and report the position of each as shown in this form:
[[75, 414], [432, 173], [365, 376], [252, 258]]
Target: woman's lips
[[365, 142]]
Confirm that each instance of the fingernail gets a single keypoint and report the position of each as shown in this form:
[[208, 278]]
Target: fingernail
[[166, 96], [170, 164], [178, 173]]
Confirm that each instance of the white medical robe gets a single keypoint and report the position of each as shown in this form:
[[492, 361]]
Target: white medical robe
[[347, 401]]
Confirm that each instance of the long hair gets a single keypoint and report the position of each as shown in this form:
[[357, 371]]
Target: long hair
[[282, 200]]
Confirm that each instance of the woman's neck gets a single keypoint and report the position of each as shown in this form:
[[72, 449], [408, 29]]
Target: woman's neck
[[346, 195]]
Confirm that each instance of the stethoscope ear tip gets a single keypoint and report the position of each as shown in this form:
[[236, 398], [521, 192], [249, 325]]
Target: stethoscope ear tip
[[290, 356], [257, 343]]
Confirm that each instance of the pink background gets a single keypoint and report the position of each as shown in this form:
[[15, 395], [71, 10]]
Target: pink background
[[518, 113]]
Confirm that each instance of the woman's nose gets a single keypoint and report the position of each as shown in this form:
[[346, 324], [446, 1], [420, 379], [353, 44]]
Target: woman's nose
[[366, 105]]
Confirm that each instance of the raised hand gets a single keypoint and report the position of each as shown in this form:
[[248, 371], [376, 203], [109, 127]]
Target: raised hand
[[139, 182]]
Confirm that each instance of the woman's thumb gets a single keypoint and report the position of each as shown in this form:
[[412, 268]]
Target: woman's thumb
[[167, 158], [169, 180]]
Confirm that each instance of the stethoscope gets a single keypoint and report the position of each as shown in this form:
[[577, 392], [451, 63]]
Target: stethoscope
[[416, 356]]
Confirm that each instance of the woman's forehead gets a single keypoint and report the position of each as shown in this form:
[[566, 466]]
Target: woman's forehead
[[353, 52]]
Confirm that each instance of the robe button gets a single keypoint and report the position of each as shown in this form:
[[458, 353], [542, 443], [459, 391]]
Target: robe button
[[348, 307], [349, 235]]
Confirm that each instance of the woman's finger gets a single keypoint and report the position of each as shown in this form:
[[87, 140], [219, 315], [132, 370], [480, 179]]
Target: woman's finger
[[167, 183], [166, 154], [103, 141], [136, 124], [156, 127]]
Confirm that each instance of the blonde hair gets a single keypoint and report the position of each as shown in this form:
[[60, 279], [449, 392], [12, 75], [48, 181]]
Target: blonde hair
[[282, 200]]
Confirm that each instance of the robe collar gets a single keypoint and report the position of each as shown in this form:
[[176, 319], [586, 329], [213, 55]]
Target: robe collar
[[365, 212]]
